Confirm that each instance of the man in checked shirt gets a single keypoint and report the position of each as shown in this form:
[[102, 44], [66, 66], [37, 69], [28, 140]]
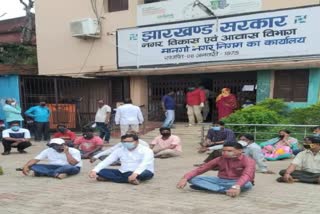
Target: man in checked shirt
[[236, 173]]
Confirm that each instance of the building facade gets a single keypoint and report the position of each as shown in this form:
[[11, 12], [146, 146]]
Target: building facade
[[295, 79]]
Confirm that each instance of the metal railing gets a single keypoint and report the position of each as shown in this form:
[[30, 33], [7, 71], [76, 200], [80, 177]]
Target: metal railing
[[263, 132]]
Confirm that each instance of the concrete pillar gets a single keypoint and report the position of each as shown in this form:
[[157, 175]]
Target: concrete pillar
[[139, 93]]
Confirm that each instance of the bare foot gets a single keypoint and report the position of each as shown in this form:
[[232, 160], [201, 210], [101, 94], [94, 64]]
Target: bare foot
[[61, 176], [135, 182]]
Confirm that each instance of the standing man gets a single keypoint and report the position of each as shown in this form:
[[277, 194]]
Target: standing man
[[168, 106], [137, 163], [15, 137], [63, 161], [41, 116], [128, 116], [195, 99], [12, 112], [236, 173], [102, 120]]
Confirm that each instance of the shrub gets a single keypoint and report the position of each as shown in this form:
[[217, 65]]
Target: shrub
[[306, 116], [277, 105]]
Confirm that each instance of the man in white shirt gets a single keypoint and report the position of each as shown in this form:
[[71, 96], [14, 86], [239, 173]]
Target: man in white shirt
[[102, 120], [128, 116], [15, 137], [137, 163], [63, 161]]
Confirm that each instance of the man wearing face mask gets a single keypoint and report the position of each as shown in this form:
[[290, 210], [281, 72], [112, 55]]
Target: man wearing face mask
[[15, 137], [137, 163], [62, 161], [67, 135], [88, 144], [308, 161], [166, 145], [41, 116], [12, 112], [236, 173]]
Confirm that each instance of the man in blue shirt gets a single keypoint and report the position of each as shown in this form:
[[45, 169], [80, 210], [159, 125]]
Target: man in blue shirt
[[168, 106], [40, 115]]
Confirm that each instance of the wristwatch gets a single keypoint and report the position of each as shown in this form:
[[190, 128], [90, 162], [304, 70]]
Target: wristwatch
[[235, 187]]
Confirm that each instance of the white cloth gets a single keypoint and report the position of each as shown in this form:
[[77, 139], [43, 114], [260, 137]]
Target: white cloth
[[56, 158], [101, 114], [18, 134], [125, 128], [137, 160], [115, 147], [128, 114], [217, 147]]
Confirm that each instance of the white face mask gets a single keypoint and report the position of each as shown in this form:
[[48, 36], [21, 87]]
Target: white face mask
[[243, 143], [13, 103]]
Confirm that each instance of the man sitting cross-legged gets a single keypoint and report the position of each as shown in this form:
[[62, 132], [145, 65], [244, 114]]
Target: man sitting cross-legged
[[88, 144], [236, 172], [63, 161], [137, 163], [308, 161], [166, 145]]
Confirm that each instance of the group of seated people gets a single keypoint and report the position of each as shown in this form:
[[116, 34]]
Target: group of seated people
[[236, 161]]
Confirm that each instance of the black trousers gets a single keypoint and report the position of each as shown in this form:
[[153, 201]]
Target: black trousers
[[7, 145], [303, 176], [41, 130]]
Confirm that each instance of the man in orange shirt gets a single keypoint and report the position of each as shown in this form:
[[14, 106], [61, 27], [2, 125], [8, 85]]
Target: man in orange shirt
[[195, 99], [65, 134]]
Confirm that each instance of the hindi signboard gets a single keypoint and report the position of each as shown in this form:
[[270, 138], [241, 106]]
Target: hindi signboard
[[179, 10], [282, 33]]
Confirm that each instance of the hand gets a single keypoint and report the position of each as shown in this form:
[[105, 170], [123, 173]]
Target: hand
[[92, 160], [201, 105], [93, 174], [65, 149], [182, 183], [132, 177], [233, 192], [25, 170], [288, 178]]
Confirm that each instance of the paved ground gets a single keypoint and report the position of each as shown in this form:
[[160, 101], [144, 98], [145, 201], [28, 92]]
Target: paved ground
[[79, 194]]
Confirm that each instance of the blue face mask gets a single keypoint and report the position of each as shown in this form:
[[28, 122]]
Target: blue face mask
[[216, 128], [15, 128], [128, 146]]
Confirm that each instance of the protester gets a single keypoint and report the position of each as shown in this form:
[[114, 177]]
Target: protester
[[128, 116], [105, 153], [67, 135], [102, 119], [253, 150], [62, 161], [226, 103], [308, 162], [15, 137], [236, 173], [281, 147], [166, 145], [41, 116], [168, 105], [195, 99], [137, 163], [12, 112], [88, 144]]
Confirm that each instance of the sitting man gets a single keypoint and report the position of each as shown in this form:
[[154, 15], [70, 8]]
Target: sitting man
[[103, 154], [166, 145], [137, 163], [63, 161], [65, 134], [88, 144], [308, 161], [253, 150], [15, 137], [215, 139], [236, 172]]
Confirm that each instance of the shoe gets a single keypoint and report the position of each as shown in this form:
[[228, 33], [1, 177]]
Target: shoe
[[5, 153], [22, 152]]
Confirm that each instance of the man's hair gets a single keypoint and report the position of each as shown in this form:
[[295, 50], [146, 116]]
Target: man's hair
[[233, 144], [314, 139], [317, 127], [285, 130], [221, 123], [248, 136], [85, 130], [164, 128], [132, 132], [133, 136], [127, 100], [100, 100], [8, 100], [61, 125], [14, 122]]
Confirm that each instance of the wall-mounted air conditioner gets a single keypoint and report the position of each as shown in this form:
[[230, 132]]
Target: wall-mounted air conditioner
[[85, 28]]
